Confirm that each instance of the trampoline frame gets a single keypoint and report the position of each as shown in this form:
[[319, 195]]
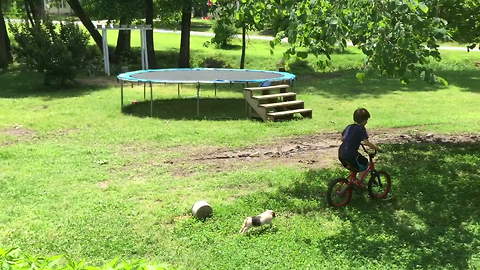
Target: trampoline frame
[[127, 77]]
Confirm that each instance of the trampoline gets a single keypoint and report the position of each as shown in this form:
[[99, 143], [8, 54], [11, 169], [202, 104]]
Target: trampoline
[[198, 76]]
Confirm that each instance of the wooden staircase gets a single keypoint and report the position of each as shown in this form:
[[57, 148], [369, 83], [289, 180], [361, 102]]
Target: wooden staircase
[[274, 103]]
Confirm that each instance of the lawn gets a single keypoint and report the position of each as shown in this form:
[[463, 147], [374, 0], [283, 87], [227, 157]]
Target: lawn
[[80, 178]]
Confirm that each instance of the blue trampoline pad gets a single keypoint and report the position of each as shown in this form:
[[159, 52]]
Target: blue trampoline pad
[[205, 75]]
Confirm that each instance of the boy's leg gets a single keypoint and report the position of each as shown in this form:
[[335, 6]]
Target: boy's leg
[[362, 163]]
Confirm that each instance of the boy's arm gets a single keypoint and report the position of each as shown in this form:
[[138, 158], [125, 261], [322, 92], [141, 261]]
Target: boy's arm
[[371, 145]]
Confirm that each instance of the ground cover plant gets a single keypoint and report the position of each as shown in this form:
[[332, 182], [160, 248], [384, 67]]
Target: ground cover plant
[[82, 179]]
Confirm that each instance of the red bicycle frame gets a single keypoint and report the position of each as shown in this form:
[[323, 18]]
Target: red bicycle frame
[[352, 177]]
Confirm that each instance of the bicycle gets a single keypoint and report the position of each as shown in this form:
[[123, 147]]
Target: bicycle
[[340, 190]]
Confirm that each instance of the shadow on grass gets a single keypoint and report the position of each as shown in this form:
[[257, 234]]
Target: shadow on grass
[[432, 221], [344, 84], [186, 109], [22, 84]]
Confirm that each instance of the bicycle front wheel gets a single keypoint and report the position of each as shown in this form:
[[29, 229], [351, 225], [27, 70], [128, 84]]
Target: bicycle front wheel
[[380, 185], [339, 192]]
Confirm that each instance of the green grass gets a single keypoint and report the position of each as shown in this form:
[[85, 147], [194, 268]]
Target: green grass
[[87, 181]]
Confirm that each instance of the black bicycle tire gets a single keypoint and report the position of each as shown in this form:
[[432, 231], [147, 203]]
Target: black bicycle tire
[[331, 186], [388, 180]]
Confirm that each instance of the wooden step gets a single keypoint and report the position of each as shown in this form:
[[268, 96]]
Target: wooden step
[[263, 97], [265, 88], [290, 112], [282, 104]]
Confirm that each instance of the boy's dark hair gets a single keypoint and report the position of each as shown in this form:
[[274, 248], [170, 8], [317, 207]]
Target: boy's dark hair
[[360, 115]]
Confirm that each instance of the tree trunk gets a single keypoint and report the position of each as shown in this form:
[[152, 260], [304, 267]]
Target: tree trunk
[[244, 45], [184, 57], [80, 13], [28, 12], [35, 10], [123, 40], [5, 55], [152, 61]]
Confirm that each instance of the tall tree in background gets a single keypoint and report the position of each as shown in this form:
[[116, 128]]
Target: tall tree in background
[[149, 15], [248, 15], [85, 19], [35, 11], [184, 56], [5, 54]]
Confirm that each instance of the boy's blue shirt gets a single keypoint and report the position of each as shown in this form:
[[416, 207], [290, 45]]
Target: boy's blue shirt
[[352, 136]]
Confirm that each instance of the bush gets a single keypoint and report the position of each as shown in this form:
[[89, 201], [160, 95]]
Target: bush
[[224, 33], [58, 54], [211, 62]]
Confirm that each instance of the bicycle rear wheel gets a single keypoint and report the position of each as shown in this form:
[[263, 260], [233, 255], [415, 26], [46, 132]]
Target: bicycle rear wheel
[[339, 192], [379, 185]]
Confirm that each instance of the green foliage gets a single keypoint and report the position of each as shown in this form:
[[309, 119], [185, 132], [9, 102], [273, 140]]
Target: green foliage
[[463, 17], [224, 31], [213, 62], [58, 54], [13, 259], [397, 37], [94, 184]]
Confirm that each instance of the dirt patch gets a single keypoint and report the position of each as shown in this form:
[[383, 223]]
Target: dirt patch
[[103, 185], [19, 133], [310, 151]]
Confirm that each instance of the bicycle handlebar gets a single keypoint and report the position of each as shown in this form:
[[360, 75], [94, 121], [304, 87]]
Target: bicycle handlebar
[[369, 153]]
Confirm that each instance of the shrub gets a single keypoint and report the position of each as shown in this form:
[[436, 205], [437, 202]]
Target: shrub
[[224, 32], [58, 54], [211, 62]]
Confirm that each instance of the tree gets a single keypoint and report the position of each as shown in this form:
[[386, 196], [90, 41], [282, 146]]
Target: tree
[[85, 19], [463, 17], [35, 11], [149, 14], [397, 37], [5, 54], [247, 15], [186, 8], [184, 55]]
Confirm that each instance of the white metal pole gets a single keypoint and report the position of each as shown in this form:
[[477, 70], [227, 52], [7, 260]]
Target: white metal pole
[[146, 48], [106, 59], [142, 38]]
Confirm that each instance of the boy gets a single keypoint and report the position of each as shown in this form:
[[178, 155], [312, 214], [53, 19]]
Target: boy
[[352, 136]]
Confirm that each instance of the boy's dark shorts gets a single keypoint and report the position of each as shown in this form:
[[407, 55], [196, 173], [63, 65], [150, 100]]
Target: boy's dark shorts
[[358, 164]]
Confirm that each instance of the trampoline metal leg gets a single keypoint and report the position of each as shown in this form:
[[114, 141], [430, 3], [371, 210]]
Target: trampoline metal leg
[[215, 89], [198, 99], [144, 91], [151, 100], [121, 96], [178, 90]]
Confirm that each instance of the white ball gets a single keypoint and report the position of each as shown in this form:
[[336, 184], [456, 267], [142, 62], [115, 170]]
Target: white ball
[[201, 209]]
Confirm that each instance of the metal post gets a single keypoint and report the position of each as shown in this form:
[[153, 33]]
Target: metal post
[[106, 59], [144, 91], [178, 90], [121, 96], [198, 99], [215, 89], [151, 100], [246, 103], [145, 51], [141, 50]]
